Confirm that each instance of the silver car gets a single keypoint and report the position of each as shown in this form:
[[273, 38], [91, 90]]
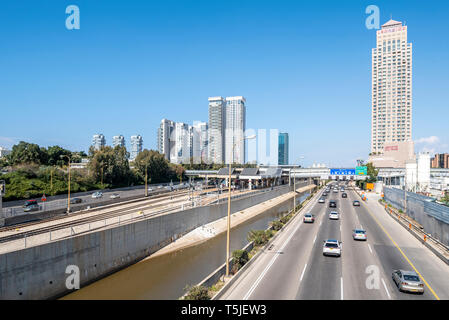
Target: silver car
[[321, 200], [408, 281], [359, 234]]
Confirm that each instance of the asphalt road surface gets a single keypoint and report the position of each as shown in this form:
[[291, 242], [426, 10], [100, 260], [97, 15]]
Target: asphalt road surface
[[295, 268]]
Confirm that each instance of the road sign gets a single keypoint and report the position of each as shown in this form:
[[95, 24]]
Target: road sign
[[361, 171], [342, 172], [44, 198]]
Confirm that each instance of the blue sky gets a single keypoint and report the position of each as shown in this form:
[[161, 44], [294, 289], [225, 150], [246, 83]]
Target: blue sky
[[303, 66]]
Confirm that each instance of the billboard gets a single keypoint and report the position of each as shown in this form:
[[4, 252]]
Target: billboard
[[361, 171], [342, 172]]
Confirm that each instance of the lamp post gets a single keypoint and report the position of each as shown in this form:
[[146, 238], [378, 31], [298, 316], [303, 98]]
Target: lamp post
[[229, 204], [146, 179], [68, 199]]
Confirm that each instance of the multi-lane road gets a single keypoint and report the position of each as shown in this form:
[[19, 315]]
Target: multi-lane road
[[295, 268]]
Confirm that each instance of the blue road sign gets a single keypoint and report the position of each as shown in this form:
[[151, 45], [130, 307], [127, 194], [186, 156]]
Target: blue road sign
[[342, 172]]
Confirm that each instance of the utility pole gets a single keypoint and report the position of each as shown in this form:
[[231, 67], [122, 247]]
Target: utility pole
[[68, 199]]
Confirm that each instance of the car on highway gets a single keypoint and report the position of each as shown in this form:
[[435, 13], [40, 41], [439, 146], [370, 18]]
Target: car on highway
[[335, 190], [324, 194], [359, 234], [332, 204], [356, 203], [308, 217], [408, 281], [344, 195], [29, 203], [31, 207], [333, 215], [321, 200], [97, 195], [76, 200], [332, 247], [114, 196]]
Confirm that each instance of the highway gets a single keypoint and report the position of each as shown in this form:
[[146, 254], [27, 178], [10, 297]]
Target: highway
[[295, 268]]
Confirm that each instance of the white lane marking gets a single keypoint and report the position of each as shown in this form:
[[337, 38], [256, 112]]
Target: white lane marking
[[341, 288], [369, 247], [385, 286], [321, 222], [302, 274], [315, 238], [340, 228]]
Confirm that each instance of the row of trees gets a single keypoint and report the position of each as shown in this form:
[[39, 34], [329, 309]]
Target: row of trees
[[34, 170]]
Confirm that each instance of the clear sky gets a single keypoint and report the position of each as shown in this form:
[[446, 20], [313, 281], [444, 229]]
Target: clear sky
[[303, 66]]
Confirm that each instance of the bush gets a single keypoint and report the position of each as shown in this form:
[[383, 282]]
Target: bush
[[285, 219], [240, 258], [259, 237], [276, 225], [197, 293]]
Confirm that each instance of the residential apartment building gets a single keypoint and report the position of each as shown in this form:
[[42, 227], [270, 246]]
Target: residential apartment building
[[200, 142], [182, 150], [217, 123], [283, 148], [391, 119], [118, 141], [235, 124], [440, 161], [98, 141], [136, 146]]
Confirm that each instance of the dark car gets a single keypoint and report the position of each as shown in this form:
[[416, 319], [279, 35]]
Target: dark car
[[29, 203], [76, 200], [31, 207], [332, 204], [356, 203], [344, 195]]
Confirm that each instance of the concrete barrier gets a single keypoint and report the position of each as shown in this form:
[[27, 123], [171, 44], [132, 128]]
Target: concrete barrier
[[40, 272]]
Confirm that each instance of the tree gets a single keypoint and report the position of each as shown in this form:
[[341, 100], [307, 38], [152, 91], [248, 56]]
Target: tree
[[371, 172], [111, 166], [155, 164], [54, 156], [27, 153]]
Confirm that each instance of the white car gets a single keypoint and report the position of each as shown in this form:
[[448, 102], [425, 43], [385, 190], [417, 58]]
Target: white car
[[321, 200], [359, 234], [332, 247], [333, 215], [97, 195], [308, 217], [115, 196]]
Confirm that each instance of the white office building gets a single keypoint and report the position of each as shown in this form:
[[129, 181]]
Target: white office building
[[166, 138], [200, 142], [98, 141], [118, 141], [4, 152], [136, 146], [181, 152], [235, 129], [217, 122], [391, 119]]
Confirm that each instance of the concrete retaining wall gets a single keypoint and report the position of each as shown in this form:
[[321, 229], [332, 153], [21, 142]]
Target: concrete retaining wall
[[39, 272], [432, 216]]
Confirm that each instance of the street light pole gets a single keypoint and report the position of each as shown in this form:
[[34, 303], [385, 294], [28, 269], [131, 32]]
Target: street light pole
[[229, 205], [146, 180]]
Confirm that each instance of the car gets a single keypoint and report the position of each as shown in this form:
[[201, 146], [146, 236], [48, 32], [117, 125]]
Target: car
[[97, 195], [344, 195], [356, 203], [332, 247], [408, 281], [321, 200], [332, 204], [29, 203], [76, 200], [359, 234], [114, 196], [333, 215], [31, 207], [308, 217], [324, 194], [335, 190]]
